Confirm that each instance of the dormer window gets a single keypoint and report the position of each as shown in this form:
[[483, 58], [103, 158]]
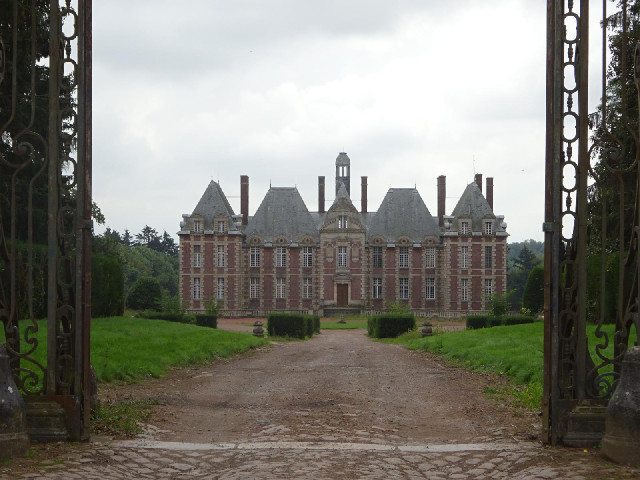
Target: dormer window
[[222, 226], [197, 226], [488, 228], [464, 228], [343, 221]]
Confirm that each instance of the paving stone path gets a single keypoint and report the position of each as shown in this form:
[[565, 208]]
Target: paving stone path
[[256, 408], [172, 461]]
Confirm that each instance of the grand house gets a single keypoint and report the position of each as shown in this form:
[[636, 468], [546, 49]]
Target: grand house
[[285, 257]]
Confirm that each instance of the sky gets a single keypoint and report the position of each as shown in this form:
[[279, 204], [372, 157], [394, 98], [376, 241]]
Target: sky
[[189, 92]]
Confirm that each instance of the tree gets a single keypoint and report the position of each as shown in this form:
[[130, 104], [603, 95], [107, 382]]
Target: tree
[[107, 286], [127, 239], [148, 237], [145, 293], [522, 257], [526, 259], [169, 245], [615, 137], [533, 296]]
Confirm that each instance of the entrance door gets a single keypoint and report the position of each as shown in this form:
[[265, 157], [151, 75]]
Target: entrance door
[[343, 295]]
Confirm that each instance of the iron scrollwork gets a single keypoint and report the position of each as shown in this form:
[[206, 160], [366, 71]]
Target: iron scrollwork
[[590, 165]]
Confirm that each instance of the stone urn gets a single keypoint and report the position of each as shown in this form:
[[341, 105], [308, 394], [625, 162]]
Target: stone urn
[[621, 441], [14, 440], [258, 330], [426, 330]]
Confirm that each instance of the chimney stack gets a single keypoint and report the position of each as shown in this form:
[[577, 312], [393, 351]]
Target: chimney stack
[[442, 195], [363, 203], [479, 181], [244, 198], [321, 194], [490, 191]]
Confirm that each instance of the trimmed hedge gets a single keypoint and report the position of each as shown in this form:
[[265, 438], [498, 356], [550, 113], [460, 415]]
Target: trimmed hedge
[[169, 317], [206, 320], [486, 321], [494, 322], [295, 325], [390, 325], [518, 319]]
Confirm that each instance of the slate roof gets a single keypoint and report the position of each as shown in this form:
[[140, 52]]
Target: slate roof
[[213, 203], [473, 204], [282, 212], [403, 213]]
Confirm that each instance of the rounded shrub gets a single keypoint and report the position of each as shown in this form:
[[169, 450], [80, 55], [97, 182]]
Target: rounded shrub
[[145, 293]]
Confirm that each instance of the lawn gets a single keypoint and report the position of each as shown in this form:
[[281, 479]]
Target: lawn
[[515, 351], [131, 349], [348, 325]]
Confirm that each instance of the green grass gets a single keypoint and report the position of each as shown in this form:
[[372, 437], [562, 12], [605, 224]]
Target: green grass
[[122, 418], [515, 351], [349, 325], [130, 349]]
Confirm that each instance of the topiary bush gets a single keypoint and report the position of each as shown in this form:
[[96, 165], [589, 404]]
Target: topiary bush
[[295, 325], [145, 294], [390, 325], [477, 321], [206, 320]]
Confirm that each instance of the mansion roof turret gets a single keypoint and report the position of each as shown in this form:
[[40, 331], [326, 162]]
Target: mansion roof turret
[[473, 206]]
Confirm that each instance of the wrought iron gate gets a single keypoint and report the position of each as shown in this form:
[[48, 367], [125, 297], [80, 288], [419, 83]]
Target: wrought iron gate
[[45, 202], [591, 219]]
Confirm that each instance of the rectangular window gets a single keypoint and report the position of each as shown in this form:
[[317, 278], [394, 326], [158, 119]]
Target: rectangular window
[[464, 228], [403, 289], [377, 288], [254, 287], [431, 257], [342, 256], [196, 288], [430, 292], [343, 221], [488, 287], [307, 257], [254, 257], [281, 257], [221, 226], [377, 257], [488, 228], [197, 226], [197, 256], [280, 287], [464, 289], [220, 290], [403, 257], [221, 260], [464, 256], [307, 287], [488, 257]]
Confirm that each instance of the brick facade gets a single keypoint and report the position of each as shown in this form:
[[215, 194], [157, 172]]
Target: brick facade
[[287, 258]]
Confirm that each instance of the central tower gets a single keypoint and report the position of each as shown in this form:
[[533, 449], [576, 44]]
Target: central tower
[[343, 173]]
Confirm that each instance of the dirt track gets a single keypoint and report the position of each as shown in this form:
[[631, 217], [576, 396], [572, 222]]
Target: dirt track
[[338, 386]]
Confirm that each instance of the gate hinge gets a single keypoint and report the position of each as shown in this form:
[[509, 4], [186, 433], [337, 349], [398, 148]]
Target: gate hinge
[[547, 227]]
